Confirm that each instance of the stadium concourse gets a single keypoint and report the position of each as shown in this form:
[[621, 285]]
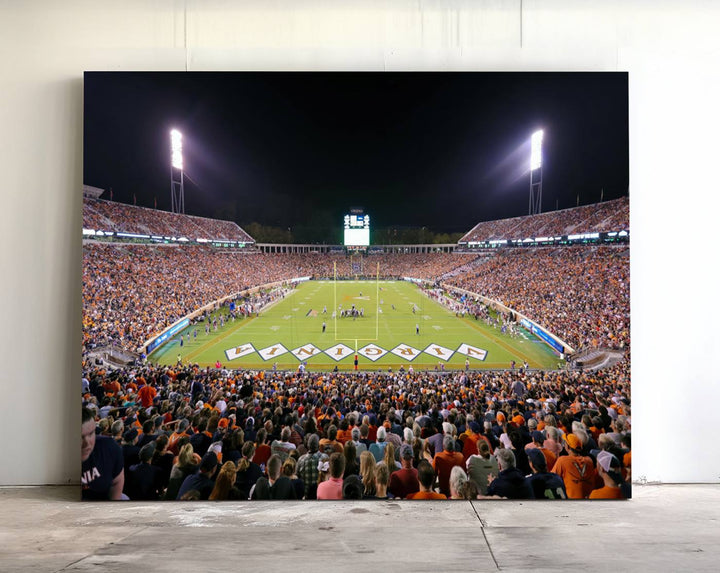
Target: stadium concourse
[[153, 432]]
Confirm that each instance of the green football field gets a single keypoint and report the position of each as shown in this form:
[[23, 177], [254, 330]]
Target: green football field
[[290, 331]]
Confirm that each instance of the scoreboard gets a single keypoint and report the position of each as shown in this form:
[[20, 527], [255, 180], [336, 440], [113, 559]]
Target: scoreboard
[[357, 230]]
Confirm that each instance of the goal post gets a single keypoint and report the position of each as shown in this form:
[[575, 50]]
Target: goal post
[[357, 339]]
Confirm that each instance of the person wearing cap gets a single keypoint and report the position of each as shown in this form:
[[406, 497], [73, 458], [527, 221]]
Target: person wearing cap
[[445, 461], [377, 448], [538, 442], [405, 480], [545, 485], [576, 470], [103, 473], [608, 468], [202, 481]]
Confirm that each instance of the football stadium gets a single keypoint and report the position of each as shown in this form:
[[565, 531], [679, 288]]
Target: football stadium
[[217, 365], [451, 330]]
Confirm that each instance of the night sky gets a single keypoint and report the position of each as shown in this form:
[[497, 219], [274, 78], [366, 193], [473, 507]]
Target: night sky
[[441, 150]]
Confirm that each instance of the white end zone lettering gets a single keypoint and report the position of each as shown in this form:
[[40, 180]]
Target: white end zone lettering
[[338, 352], [406, 352], [372, 352], [306, 351], [272, 351], [239, 351], [472, 351], [437, 351]]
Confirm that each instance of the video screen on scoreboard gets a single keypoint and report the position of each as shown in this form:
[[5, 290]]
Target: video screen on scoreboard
[[357, 230]]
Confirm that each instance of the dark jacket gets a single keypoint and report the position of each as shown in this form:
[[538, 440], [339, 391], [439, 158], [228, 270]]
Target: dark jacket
[[511, 483]]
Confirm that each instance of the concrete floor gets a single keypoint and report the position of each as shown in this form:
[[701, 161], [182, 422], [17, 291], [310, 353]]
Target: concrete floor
[[664, 528]]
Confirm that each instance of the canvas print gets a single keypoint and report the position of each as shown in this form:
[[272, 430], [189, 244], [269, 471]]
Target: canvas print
[[322, 286]]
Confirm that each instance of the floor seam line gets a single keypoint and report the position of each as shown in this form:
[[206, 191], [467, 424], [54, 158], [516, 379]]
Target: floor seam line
[[95, 551], [487, 542]]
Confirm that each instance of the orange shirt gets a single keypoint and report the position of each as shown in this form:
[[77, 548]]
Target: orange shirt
[[426, 495], [146, 395], [443, 463], [470, 447], [550, 458], [173, 442], [578, 473], [344, 436], [607, 493], [324, 443]]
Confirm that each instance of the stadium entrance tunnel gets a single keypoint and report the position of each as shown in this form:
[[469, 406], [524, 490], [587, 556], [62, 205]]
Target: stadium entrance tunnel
[[596, 358], [113, 357]]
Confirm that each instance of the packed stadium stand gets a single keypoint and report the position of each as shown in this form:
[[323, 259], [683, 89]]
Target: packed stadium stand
[[102, 215], [187, 432], [599, 217], [131, 292], [580, 293]]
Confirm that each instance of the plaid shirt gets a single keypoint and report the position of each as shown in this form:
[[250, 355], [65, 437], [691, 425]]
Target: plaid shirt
[[307, 469]]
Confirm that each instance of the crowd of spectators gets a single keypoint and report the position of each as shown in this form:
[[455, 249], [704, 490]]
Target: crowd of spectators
[[600, 217], [102, 215], [580, 293], [132, 292], [190, 433]]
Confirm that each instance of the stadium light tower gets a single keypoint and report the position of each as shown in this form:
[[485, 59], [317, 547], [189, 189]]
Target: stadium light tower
[[536, 173], [177, 178]]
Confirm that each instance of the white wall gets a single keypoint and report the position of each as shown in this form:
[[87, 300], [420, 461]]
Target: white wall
[[670, 49]]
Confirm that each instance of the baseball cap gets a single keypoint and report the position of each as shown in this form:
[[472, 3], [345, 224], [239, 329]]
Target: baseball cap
[[130, 435], [538, 436], [537, 458], [606, 460], [573, 442]]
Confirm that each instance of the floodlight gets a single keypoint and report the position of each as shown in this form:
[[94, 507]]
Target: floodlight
[[176, 146], [536, 150]]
